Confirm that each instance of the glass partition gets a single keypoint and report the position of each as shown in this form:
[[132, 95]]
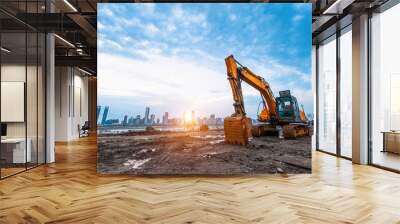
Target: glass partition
[[327, 95], [13, 109], [41, 110], [31, 97], [385, 89], [22, 77]]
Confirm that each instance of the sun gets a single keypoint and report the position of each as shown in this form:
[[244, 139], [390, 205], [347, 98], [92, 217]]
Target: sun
[[188, 117]]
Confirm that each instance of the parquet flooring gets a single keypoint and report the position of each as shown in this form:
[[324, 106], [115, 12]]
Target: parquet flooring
[[70, 191]]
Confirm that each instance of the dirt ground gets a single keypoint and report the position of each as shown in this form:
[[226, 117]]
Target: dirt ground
[[200, 153]]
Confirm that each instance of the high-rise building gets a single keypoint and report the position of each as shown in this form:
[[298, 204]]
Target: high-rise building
[[112, 122], [138, 120], [98, 114], [152, 117], [158, 120], [131, 121], [105, 114], [165, 118], [146, 116], [212, 120], [125, 121]]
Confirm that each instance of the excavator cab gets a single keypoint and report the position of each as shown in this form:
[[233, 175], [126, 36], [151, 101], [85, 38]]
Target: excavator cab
[[292, 118], [288, 109]]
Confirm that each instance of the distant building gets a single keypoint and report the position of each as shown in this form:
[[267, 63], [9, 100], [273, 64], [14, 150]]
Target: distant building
[[212, 120], [112, 122], [131, 121], [146, 116], [165, 118], [138, 120], [175, 121], [125, 121], [152, 117], [105, 114], [158, 120]]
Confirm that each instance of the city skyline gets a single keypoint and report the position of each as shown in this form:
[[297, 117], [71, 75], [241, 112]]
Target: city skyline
[[151, 118]]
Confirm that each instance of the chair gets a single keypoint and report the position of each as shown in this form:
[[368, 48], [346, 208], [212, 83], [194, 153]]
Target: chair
[[84, 130]]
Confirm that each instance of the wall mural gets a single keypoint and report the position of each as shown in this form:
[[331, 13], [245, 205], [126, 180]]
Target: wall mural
[[204, 89]]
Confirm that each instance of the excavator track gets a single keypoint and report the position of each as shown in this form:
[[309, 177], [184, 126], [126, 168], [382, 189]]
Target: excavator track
[[237, 130]]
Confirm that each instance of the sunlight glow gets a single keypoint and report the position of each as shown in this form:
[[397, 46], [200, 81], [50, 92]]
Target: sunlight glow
[[188, 117]]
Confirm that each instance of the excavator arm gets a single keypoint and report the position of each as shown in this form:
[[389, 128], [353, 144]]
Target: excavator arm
[[235, 82], [237, 73], [238, 127]]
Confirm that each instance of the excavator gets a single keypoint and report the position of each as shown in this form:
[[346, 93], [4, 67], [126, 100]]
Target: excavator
[[279, 115]]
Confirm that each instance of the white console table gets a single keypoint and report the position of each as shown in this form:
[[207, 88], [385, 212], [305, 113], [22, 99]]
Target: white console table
[[18, 144]]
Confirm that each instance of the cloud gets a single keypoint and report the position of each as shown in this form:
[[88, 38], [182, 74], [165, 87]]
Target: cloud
[[302, 7], [107, 43], [100, 26], [151, 28], [297, 18], [148, 9], [171, 27], [107, 11], [188, 18]]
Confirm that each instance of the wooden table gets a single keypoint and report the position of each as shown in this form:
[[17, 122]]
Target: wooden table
[[391, 141]]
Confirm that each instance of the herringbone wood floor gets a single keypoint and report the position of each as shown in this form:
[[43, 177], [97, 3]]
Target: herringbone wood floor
[[70, 191]]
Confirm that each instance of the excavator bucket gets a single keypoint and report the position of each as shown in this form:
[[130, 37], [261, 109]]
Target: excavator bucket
[[237, 130]]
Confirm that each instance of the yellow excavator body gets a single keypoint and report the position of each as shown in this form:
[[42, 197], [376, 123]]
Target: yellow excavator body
[[280, 114], [264, 115]]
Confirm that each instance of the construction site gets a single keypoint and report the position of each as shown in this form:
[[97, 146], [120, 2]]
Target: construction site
[[277, 142], [200, 153]]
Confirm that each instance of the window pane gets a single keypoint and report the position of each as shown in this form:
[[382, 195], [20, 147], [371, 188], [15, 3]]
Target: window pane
[[346, 93], [327, 96], [385, 86]]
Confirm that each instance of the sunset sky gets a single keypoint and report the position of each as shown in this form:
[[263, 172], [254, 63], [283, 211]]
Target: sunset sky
[[170, 57]]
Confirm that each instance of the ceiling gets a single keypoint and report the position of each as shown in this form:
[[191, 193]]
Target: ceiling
[[74, 21], [331, 15]]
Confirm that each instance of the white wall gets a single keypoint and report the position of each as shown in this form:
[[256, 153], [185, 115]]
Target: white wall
[[12, 73], [71, 103], [33, 126]]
